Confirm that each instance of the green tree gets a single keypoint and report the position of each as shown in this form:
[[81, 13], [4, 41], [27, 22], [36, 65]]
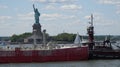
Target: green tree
[[65, 37], [14, 38], [19, 38]]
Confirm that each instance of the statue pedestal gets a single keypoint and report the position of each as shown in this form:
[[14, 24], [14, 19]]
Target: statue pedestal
[[37, 36], [37, 29]]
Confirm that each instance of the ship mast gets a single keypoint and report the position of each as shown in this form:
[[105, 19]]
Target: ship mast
[[91, 19], [90, 32]]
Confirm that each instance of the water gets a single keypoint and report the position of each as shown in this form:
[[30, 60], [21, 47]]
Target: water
[[90, 63]]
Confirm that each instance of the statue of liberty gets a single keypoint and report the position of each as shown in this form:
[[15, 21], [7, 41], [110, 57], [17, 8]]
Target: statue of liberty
[[36, 15]]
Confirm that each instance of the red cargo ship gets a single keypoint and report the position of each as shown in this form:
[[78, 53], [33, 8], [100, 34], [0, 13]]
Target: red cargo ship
[[24, 56]]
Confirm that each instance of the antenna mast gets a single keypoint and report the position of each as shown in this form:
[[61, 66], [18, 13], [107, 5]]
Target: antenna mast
[[90, 32], [91, 19]]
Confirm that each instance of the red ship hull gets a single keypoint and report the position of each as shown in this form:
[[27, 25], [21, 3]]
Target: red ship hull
[[26, 56]]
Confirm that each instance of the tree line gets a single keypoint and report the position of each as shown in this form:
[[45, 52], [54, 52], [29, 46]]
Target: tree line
[[62, 37]]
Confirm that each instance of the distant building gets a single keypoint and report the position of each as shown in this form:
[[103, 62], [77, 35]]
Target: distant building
[[4, 38]]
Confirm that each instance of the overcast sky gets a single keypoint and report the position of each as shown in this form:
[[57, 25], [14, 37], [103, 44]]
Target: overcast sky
[[58, 16]]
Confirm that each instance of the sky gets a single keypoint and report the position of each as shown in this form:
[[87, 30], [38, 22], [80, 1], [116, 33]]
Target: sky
[[58, 16]]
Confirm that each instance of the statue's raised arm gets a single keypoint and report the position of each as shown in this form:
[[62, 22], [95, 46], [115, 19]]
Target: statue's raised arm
[[33, 7]]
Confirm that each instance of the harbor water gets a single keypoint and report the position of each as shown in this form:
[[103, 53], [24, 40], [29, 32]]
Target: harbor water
[[89, 63]]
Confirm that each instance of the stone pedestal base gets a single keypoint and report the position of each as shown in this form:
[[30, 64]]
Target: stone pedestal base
[[37, 35]]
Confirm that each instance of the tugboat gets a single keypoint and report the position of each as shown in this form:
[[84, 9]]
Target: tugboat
[[98, 50]]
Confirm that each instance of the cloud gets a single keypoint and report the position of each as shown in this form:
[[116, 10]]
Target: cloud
[[98, 16], [106, 2], [71, 7], [5, 17], [5, 22], [3, 6], [118, 12], [56, 16], [28, 16], [111, 2], [100, 19], [52, 15], [114, 2], [87, 17], [50, 7], [55, 1], [39, 0], [118, 9]]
